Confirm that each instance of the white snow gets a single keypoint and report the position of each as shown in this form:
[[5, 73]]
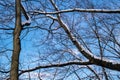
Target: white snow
[[27, 22]]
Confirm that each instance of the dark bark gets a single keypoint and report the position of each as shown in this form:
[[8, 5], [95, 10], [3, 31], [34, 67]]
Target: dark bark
[[16, 43], [55, 65], [92, 58]]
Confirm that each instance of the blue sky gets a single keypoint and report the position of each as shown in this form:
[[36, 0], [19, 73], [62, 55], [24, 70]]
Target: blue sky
[[36, 43]]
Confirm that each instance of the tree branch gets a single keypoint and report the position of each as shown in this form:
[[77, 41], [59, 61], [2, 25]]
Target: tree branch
[[28, 19], [92, 58], [80, 10], [6, 28], [56, 65], [4, 71]]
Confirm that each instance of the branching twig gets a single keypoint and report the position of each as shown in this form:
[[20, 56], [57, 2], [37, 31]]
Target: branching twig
[[56, 65], [92, 58]]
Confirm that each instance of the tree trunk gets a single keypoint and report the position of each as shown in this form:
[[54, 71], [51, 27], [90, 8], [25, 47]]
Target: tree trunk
[[16, 43]]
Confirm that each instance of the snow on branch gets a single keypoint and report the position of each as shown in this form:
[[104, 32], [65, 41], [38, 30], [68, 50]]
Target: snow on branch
[[27, 22], [110, 65], [28, 19], [92, 58], [80, 10]]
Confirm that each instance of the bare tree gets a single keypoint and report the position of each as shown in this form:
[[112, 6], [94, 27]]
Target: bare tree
[[60, 39]]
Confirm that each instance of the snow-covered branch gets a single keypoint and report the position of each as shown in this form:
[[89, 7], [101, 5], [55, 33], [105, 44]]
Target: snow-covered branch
[[28, 19], [80, 10], [27, 22], [104, 63], [92, 58]]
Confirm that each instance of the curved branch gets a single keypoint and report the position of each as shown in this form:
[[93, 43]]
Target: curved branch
[[56, 65], [92, 58], [4, 71]]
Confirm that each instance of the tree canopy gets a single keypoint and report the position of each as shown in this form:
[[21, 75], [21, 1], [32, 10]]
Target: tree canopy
[[60, 39]]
